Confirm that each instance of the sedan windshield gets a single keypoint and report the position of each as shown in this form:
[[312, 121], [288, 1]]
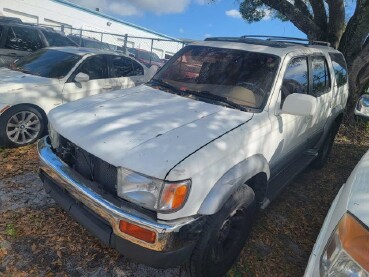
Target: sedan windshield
[[47, 63], [230, 76]]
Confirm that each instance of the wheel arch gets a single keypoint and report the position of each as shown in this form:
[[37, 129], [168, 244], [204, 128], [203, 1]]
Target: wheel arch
[[235, 177]]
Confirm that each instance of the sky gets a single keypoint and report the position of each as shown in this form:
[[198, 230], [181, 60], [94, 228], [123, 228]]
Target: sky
[[190, 19]]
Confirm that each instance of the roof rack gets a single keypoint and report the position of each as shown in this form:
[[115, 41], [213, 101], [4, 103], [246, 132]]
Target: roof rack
[[292, 40], [276, 44]]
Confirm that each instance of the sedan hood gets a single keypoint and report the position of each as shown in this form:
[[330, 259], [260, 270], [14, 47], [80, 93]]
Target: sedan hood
[[11, 80], [143, 129]]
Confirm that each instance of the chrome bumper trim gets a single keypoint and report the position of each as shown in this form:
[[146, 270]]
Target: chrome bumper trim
[[77, 187]]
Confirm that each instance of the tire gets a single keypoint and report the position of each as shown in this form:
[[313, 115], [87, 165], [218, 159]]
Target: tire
[[325, 149], [21, 125], [223, 236]]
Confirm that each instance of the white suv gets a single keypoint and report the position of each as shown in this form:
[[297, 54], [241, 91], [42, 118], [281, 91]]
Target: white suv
[[173, 171]]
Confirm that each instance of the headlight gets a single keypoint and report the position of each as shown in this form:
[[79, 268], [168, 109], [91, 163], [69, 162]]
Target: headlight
[[54, 137], [347, 252], [152, 193]]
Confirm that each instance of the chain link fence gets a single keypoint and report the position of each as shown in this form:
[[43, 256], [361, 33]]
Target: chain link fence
[[149, 50]]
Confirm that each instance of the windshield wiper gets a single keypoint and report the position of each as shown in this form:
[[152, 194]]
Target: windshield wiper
[[223, 99], [163, 84]]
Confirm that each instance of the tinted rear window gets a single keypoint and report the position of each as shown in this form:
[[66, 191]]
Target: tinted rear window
[[339, 67]]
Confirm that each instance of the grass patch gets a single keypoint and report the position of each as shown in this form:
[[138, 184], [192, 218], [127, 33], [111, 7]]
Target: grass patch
[[10, 230]]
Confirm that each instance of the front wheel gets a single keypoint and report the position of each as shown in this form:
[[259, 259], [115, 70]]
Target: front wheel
[[223, 236], [21, 125]]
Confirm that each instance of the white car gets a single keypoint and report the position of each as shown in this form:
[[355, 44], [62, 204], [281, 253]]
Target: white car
[[171, 172], [35, 84], [342, 247]]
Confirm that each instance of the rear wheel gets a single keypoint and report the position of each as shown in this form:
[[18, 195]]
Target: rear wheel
[[223, 237], [21, 125]]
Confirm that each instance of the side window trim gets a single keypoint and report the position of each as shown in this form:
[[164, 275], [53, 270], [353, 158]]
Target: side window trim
[[308, 65], [311, 74]]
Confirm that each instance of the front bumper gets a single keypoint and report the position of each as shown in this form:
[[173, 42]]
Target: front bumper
[[100, 214]]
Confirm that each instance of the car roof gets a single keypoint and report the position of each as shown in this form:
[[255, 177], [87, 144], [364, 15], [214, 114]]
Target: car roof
[[28, 25], [278, 48], [84, 50]]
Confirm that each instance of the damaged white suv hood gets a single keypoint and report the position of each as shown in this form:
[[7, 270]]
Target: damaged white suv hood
[[143, 129]]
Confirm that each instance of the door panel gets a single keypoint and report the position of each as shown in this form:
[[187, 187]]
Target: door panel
[[97, 70], [293, 127]]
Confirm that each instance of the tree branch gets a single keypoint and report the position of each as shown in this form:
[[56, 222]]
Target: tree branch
[[320, 16], [300, 4], [356, 33], [336, 23], [302, 21]]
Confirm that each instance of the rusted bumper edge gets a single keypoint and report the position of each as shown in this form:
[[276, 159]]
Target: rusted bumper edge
[[3, 107], [101, 217]]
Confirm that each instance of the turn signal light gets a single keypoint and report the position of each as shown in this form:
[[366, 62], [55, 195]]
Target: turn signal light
[[355, 240], [137, 232], [174, 195]]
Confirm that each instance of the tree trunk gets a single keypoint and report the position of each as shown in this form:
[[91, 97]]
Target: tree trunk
[[358, 77]]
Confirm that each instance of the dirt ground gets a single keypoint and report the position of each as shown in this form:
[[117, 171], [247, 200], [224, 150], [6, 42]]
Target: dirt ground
[[37, 238]]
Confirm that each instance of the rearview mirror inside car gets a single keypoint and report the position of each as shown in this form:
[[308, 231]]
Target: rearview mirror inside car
[[362, 107], [81, 77], [299, 104]]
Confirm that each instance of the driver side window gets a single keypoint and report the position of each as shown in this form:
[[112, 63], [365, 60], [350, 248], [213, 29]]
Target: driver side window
[[296, 78], [95, 67]]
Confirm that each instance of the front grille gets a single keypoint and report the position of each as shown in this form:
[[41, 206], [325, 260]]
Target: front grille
[[88, 165]]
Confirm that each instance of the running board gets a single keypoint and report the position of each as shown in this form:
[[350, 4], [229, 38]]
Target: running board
[[288, 174]]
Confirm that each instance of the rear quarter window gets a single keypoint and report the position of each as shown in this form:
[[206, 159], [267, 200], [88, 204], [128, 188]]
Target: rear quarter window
[[339, 68]]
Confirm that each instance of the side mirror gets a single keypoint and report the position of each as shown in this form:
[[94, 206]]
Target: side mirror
[[132, 55], [299, 104], [81, 77], [362, 107]]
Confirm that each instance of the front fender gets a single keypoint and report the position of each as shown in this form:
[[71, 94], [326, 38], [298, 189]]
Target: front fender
[[231, 180]]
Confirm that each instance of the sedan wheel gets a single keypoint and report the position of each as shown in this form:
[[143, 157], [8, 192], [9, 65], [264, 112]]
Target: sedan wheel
[[23, 127]]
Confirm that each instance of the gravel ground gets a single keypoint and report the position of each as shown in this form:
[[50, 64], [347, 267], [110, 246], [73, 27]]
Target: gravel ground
[[37, 238]]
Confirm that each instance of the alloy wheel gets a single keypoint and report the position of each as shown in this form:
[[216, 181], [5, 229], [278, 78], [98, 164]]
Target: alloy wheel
[[23, 127]]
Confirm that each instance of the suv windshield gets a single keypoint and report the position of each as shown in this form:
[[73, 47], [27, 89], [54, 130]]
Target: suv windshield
[[56, 39], [47, 63], [232, 76]]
